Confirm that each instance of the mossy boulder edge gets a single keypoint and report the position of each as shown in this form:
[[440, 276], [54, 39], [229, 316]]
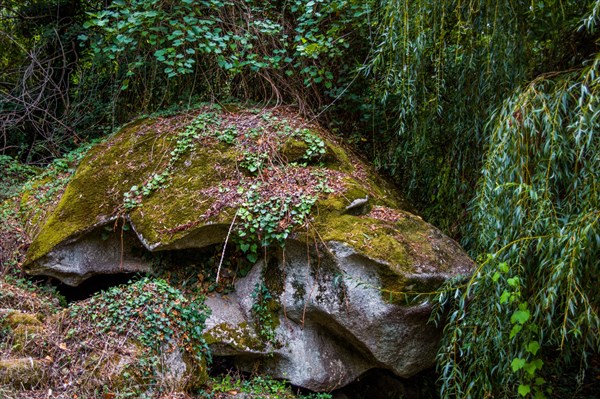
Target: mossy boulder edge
[[188, 211]]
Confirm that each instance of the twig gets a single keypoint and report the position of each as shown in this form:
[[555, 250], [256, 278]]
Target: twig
[[225, 246]]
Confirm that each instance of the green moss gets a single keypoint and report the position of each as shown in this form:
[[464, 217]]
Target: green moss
[[336, 157], [94, 194], [272, 275], [24, 334], [385, 193], [21, 373], [239, 337], [161, 216], [273, 308], [198, 376], [293, 149], [372, 237], [396, 246], [16, 318], [382, 192]]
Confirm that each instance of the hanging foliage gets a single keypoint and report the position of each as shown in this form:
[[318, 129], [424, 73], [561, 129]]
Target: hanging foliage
[[537, 211], [441, 68]]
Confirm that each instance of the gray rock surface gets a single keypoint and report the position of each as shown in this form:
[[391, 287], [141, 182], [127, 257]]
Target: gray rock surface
[[333, 324], [95, 253]]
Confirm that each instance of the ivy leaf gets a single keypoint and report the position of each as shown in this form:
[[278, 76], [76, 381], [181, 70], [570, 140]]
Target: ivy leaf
[[530, 368], [524, 389], [517, 364], [533, 347], [520, 316]]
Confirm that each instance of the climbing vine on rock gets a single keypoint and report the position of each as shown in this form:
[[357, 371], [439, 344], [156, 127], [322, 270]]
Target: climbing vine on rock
[[153, 313], [262, 310], [265, 221]]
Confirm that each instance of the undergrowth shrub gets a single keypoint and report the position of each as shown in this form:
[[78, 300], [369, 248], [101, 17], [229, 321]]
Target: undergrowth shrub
[[154, 314], [293, 51], [13, 175]]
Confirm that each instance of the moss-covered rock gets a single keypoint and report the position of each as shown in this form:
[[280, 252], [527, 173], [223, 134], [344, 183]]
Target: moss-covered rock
[[16, 318], [180, 181], [336, 251], [21, 372], [293, 149], [234, 338], [24, 328]]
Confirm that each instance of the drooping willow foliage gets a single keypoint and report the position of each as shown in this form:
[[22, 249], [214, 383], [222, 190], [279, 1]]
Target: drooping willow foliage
[[537, 211], [441, 68]]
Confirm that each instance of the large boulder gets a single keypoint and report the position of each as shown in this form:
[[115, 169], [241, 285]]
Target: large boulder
[[337, 256]]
